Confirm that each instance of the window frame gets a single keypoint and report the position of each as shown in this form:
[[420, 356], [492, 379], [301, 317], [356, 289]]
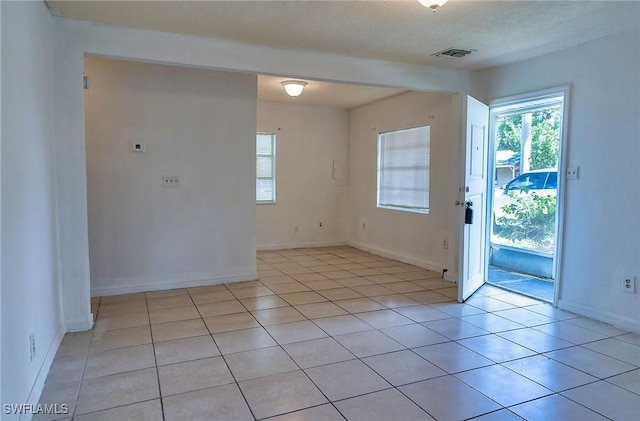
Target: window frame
[[380, 159], [272, 155]]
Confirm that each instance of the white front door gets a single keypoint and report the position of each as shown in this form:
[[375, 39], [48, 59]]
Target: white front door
[[472, 267]]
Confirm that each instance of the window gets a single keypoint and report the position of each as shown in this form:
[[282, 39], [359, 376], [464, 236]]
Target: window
[[403, 169], [265, 168]]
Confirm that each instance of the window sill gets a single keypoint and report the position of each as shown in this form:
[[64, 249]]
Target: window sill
[[412, 210]]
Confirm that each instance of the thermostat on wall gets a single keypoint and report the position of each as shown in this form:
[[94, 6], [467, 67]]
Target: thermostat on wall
[[138, 146]]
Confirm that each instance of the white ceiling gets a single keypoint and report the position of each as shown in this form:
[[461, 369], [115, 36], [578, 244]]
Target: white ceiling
[[398, 31], [339, 95]]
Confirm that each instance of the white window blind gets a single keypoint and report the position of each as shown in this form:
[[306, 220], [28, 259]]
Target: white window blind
[[265, 167], [403, 169]]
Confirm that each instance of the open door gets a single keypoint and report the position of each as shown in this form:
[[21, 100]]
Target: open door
[[472, 267]]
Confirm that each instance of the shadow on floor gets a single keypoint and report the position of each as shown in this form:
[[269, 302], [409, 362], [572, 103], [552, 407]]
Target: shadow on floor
[[531, 286]]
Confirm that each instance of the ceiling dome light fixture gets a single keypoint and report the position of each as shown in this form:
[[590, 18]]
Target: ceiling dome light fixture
[[432, 4], [294, 87]]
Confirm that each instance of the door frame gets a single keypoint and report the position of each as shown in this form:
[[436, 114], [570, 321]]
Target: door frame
[[565, 91]]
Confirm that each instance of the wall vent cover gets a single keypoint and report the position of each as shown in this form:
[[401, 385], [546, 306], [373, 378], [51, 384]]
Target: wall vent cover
[[454, 52]]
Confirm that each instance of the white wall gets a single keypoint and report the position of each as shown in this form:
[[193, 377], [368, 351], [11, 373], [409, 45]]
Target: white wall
[[309, 139], [30, 272], [411, 237], [198, 125], [74, 39], [602, 207]]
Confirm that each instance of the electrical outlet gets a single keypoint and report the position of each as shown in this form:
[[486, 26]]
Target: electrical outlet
[[170, 181], [364, 226], [296, 229], [445, 244], [32, 346], [320, 225], [572, 173], [629, 283]]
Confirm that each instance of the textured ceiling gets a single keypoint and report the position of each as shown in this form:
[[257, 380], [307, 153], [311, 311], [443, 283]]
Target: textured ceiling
[[397, 31], [500, 32]]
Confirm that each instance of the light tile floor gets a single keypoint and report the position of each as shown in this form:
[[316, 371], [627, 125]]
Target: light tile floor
[[337, 333]]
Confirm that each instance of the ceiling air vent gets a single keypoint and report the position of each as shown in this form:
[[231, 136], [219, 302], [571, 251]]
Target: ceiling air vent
[[454, 53]]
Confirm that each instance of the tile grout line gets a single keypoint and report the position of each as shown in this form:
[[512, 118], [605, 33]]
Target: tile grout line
[[155, 359], [235, 381]]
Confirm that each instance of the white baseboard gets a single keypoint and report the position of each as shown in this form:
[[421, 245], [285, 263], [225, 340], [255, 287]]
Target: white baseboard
[[309, 244], [79, 325], [38, 384], [425, 264], [116, 286], [625, 323]]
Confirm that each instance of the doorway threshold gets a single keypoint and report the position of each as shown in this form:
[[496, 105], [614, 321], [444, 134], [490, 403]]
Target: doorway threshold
[[531, 286]]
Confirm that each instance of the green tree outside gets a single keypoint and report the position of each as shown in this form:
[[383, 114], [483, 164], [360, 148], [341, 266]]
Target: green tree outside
[[545, 136]]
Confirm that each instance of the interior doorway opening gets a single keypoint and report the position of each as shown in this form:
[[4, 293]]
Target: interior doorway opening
[[523, 244]]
